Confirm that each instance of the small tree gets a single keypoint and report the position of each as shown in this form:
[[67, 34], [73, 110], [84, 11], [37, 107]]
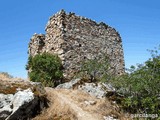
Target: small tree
[[95, 70], [45, 68]]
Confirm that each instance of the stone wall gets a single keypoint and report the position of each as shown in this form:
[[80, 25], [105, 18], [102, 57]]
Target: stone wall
[[76, 39]]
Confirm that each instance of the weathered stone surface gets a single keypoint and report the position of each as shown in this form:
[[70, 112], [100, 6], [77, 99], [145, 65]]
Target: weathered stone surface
[[76, 39], [109, 118], [37, 43], [20, 99], [99, 90], [68, 85], [90, 102], [93, 89]]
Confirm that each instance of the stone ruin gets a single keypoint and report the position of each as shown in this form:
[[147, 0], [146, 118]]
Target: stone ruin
[[76, 39]]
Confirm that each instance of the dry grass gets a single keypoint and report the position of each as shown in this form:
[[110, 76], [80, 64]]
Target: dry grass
[[6, 76], [12, 85], [70, 105], [56, 110], [65, 104], [9, 85], [3, 76]]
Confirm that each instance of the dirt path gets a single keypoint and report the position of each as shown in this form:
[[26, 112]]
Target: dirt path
[[80, 113], [73, 105]]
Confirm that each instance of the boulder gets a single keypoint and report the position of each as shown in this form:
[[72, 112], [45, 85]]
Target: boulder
[[69, 85], [109, 118], [21, 99], [93, 89], [91, 102], [99, 90]]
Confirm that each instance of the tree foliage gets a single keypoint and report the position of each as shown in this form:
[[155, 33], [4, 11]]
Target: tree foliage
[[95, 70], [141, 86], [45, 68]]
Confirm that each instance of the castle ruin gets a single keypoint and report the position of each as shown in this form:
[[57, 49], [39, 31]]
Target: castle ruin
[[75, 39]]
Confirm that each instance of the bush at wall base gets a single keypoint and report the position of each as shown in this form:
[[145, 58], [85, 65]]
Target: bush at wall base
[[45, 68]]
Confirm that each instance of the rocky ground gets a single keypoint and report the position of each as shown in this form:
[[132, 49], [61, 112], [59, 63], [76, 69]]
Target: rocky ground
[[20, 99], [78, 105], [75, 100]]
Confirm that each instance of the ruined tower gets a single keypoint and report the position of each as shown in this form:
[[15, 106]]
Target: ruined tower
[[75, 39]]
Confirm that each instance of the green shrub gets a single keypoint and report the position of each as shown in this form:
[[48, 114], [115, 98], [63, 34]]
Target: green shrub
[[141, 87], [45, 68]]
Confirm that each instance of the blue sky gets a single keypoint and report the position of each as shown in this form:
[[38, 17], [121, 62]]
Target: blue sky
[[138, 22]]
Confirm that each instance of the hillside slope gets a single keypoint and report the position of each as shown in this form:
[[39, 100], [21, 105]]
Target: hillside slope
[[70, 104]]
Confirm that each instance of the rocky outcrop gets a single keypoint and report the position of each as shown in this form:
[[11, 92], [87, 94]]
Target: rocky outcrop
[[87, 96], [74, 100], [20, 100], [76, 39], [99, 90], [69, 85]]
